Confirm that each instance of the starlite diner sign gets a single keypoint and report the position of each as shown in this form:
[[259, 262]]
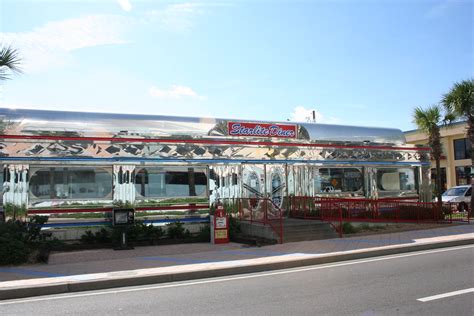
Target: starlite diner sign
[[261, 130]]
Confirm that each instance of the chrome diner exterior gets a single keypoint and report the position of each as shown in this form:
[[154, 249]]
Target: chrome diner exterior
[[56, 159]]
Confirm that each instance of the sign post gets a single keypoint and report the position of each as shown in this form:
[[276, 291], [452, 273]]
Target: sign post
[[123, 217], [219, 226]]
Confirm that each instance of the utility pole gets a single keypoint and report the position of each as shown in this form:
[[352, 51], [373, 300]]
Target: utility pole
[[312, 117]]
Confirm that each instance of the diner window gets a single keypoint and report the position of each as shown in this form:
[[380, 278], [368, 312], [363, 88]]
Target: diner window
[[463, 175], [76, 183], [396, 179], [161, 182], [338, 180], [462, 149]]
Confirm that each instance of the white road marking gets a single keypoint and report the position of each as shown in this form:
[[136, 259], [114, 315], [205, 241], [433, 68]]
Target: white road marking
[[437, 297], [233, 278]]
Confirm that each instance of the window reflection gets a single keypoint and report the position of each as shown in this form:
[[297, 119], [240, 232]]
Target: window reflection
[[393, 179], [70, 183], [338, 180], [157, 182]]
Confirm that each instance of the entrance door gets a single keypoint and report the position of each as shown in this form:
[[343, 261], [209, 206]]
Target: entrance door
[[253, 190], [276, 188], [265, 181]]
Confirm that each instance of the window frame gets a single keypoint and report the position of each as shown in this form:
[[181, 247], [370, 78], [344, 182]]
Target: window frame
[[360, 190], [466, 149], [34, 199], [165, 169], [401, 191]]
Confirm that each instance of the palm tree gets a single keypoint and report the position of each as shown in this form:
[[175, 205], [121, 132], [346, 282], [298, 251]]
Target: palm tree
[[459, 103], [428, 121], [9, 61]]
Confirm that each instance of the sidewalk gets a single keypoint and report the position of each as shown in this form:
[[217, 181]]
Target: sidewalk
[[104, 268]]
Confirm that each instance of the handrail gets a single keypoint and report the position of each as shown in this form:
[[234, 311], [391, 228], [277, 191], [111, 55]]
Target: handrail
[[265, 218], [375, 210]]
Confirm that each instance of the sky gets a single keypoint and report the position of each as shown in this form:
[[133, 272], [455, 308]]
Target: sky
[[367, 62]]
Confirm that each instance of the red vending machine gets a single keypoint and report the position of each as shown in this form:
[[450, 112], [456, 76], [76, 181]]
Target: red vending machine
[[219, 226]]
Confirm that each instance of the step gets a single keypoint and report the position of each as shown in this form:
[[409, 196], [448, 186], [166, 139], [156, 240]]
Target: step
[[307, 229], [295, 230], [293, 238], [252, 240]]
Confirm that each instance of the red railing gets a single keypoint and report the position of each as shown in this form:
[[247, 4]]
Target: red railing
[[368, 210], [257, 210]]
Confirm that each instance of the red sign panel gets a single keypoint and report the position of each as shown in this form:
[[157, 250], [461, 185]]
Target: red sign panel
[[261, 130]]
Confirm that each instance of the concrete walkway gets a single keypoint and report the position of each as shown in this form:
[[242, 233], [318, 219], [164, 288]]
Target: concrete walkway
[[104, 268]]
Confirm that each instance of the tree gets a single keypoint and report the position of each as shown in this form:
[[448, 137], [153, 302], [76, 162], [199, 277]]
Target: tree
[[428, 121], [9, 62], [459, 103]]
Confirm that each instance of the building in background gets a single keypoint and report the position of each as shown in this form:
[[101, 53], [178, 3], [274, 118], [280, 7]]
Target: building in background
[[456, 164]]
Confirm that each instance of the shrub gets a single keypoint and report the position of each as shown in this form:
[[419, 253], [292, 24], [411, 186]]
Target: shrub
[[88, 237], [101, 237], [204, 234], [15, 211], [348, 228], [142, 232], [422, 213], [152, 233], [19, 240], [176, 230], [234, 227], [13, 251]]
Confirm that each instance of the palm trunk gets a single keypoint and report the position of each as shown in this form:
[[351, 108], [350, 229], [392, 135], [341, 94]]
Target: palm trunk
[[470, 133], [438, 182]]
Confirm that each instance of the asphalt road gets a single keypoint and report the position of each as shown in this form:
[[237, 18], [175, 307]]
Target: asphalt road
[[389, 285]]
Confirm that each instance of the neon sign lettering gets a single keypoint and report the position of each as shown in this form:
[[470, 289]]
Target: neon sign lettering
[[261, 130]]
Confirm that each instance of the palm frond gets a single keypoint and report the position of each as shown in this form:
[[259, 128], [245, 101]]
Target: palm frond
[[427, 119], [9, 61], [459, 101]]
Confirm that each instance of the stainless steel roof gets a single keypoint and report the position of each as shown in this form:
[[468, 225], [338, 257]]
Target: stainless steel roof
[[86, 124]]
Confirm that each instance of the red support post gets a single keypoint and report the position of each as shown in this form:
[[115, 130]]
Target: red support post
[[281, 226], [304, 206], [290, 206], [397, 208], [374, 205], [240, 208], [265, 211], [251, 210], [417, 214], [340, 221]]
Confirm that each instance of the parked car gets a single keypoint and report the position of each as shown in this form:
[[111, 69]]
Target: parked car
[[460, 194]]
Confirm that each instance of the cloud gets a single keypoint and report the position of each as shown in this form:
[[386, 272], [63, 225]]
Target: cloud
[[439, 9], [301, 114], [50, 44], [178, 16], [125, 5], [175, 92]]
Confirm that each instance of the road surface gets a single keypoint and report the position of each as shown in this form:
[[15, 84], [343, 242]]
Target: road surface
[[434, 282]]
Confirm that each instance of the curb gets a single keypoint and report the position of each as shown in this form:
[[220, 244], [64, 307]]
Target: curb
[[100, 284]]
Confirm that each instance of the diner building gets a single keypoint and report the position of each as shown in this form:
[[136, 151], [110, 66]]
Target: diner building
[[55, 159]]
